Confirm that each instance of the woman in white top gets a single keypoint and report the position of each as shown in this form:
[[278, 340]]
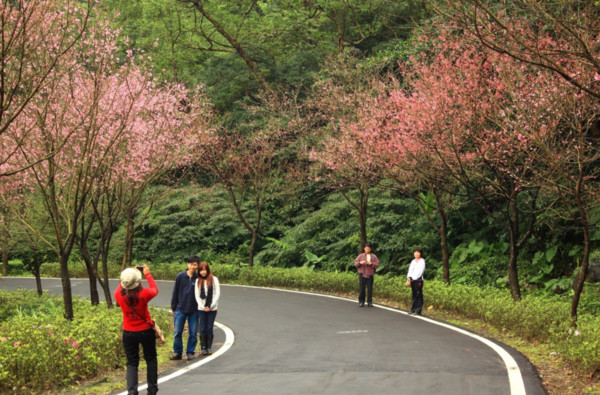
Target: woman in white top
[[207, 292], [414, 280]]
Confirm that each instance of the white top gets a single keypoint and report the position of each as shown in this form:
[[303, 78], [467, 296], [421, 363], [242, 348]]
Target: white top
[[215, 296], [416, 269]]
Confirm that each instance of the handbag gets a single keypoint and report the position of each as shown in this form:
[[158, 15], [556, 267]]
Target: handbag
[[157, 331]]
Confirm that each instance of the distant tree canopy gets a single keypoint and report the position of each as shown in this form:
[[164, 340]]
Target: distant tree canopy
[[237, 48]]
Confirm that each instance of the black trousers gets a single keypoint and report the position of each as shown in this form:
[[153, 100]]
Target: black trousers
[[131, 343], [417, 296], [365, 284]]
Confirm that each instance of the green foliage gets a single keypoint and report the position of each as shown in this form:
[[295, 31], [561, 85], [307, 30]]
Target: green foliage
[[580, 346], [331, 233], [40, 350], [286, 39], [188, 221], [16, 267], [479, 263]]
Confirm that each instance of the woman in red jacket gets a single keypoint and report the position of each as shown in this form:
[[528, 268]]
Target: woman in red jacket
[[137, 326]]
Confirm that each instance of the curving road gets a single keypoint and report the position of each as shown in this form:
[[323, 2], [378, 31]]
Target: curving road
[[298, 343]]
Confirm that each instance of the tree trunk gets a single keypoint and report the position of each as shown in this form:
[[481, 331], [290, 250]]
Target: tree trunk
[[513, 229], [513, 277], [252, 247], [129, 233], [444, 247], [253, 229], [103, 253], [580, 280], [362, 216], [585, 227], [91, 270], [5, 255], [36, 273], [94, 297], [63, 259], [361, 208], [443, 232]]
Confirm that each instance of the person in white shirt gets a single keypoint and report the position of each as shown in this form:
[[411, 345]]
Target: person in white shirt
[[414, 280], [207, 292]]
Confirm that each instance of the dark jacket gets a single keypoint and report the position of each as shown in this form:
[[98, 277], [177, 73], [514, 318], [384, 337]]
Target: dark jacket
[[183, 298]]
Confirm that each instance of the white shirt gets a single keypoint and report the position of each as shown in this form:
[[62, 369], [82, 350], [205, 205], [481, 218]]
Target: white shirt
[[416, 269], [215, 296]]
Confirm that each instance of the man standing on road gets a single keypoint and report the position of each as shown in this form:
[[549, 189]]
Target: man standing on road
[[366, 264], [185, 307]]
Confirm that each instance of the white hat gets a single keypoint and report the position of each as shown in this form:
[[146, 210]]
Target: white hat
[[131, 278]]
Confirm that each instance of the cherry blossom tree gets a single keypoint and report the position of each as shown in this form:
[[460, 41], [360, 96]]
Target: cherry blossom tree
[[346, 158], [101, 107], [457, 94], [38, 40], [557, 120], [157, 137], [569, 157], [414, 169], [561, 38]]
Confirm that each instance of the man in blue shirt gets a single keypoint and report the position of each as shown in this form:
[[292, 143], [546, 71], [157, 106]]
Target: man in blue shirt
[[185, 307]]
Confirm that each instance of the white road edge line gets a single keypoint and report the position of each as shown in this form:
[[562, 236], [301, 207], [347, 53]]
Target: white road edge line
[[229, 339], [515, 378]]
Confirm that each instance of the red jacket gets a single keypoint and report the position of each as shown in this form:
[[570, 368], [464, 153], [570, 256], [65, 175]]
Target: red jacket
[[365, 270], [132, 322]]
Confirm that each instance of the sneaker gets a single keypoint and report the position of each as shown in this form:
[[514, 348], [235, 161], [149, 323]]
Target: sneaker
[[361, 304], [370, 305], [190, 357], [175, 357]]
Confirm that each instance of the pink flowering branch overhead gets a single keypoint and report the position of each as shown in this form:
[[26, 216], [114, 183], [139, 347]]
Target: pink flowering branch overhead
[[559, 37], [39, 38]]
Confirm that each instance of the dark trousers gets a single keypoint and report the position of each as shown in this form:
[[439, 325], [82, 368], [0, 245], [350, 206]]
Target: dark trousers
[[365, 284], [206, 322], [417, 296], [131, 344]]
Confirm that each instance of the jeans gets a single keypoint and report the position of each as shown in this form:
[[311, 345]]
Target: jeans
[[365, 284], [207, 321], [192, 319], [131, 344]]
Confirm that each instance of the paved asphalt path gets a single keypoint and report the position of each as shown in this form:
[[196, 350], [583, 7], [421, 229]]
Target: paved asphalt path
[[297, 343]]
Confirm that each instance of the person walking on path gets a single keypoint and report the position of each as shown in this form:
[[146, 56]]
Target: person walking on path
[[366, 263], [137, 326], [207, 293], [414, 280], [185, 308]]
